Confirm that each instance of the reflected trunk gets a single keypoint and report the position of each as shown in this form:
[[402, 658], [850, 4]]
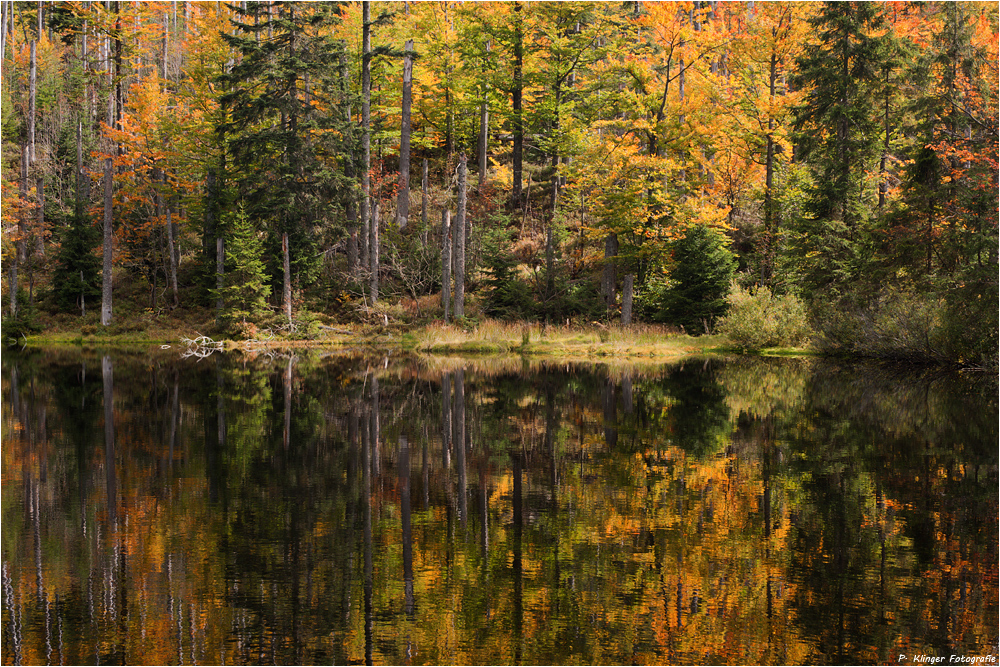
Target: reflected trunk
[[458, 438], [404, 498]]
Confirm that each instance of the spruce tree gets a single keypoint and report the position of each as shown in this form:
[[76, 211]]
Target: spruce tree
[[244, 288], [278, 140], [700, 278], [839, 128], [77, 281]]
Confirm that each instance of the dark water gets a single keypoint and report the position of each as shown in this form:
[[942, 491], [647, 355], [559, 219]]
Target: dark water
[[329, 509]]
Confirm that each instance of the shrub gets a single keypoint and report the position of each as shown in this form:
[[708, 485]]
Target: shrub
[[757, 319], [26, 320], [892, 324]]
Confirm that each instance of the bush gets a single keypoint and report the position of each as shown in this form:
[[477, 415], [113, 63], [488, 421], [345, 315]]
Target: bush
[[26, 320], [757, 319], [893, 324]]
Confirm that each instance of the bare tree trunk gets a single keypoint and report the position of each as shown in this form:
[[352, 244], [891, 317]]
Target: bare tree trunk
[[108, 239], [627, 299], [220, 273], [518, 89], [79, 166], [373, 244], [610, 280], [403, 202], [3, 30], [171, 251], [349, 204], [458, 238], [423, 205], [366, 147], [40, 239], [484, 131], [769, 212], [445, 261], [32, 86], [286, 288]]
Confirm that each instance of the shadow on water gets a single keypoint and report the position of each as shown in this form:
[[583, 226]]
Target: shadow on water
[[313, 509]]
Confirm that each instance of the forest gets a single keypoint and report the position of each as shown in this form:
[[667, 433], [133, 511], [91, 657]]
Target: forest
[[794, 169]]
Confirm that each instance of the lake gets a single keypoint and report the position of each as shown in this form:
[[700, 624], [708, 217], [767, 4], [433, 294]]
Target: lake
[[327, 508]]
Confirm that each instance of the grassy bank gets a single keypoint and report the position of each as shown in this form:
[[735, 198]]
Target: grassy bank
[[488, 337]]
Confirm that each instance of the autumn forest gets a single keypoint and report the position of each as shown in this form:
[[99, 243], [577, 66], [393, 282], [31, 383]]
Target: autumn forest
[[280, 166]]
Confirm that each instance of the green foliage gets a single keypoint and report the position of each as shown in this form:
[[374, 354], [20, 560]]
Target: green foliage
[[756, 319], [281, 145], [77, 271], [892, 324], [26, 320], [507, 296], [699, 280], [245, 289]]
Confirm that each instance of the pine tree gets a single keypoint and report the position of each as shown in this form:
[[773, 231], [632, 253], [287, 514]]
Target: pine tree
[[244, 288], [279, 149], [840, 127], [76, 280], [701, 275]]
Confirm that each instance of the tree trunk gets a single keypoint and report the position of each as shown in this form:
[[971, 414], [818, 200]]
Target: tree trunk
[[373, 245], [286, 290], [171, 257], [518, 121], [3, 30], [423, 206], [40, 238], [403, 203], [484, 130], [350, 211], [79, 167], [445, 261], [459, 240], [608, 286], [108, 238], [220, 272], [766, 267], [627, 299], [366, 148], [32, 86]]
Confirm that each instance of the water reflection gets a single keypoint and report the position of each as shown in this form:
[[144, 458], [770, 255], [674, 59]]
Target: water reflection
[[314, 509]]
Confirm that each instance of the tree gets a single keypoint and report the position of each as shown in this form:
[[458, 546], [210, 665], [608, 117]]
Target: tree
[[403, 202], [281, 127], [76, 278], [244, 290], [838, 128], [700, 278]]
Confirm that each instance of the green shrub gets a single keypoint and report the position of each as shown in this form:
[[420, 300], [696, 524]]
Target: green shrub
[[757, 319], [26, 320], [893, 324]]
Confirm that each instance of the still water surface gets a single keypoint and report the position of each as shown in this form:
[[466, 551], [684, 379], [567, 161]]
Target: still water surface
[[345, 509]]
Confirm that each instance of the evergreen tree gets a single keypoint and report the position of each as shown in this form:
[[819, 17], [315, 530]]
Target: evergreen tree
[[839, 128], [77, 277], [245, 289], [702, 272], [282, 158]]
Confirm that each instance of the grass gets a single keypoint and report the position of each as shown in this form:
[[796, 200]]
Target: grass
[[594, 342], [537, 340]]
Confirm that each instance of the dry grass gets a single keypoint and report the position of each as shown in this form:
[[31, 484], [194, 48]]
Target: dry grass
[[563, 342]]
